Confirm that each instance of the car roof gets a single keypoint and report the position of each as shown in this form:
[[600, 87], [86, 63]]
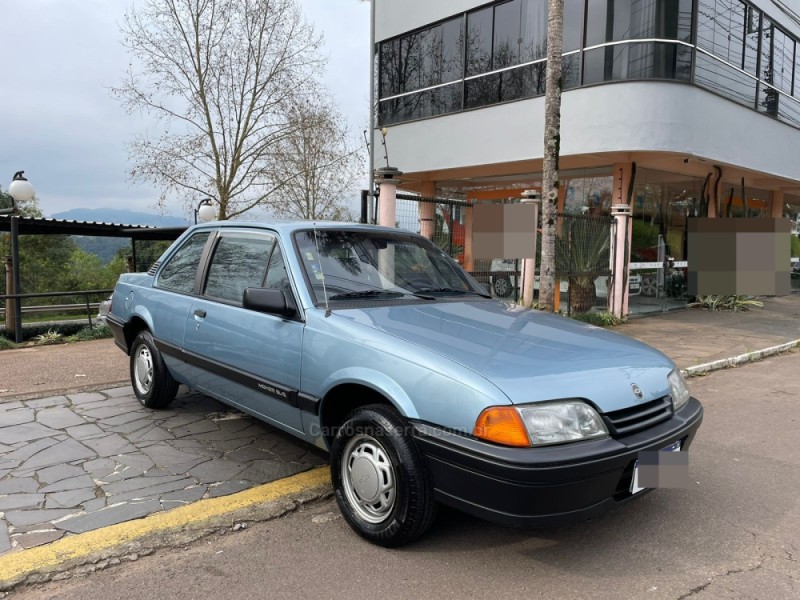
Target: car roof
[[290, 226]]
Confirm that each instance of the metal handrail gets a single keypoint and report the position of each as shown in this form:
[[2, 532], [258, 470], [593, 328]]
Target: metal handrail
[[84, 293]]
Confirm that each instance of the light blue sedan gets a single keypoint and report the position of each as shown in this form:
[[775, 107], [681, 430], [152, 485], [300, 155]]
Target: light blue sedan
[[375, 345]]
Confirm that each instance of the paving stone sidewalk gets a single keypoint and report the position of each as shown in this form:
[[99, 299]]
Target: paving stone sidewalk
[[74, 463]]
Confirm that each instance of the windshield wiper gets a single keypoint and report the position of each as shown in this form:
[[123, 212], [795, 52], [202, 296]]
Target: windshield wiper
[[452, 291], [366, 294]]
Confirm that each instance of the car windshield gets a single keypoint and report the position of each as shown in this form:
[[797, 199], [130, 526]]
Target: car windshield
[[376, 265]]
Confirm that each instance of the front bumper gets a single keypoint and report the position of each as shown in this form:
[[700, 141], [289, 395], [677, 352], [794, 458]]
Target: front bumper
[[549, 486]]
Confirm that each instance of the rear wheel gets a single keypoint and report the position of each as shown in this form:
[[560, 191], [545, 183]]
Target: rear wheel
[[380, 480], [151, 380]]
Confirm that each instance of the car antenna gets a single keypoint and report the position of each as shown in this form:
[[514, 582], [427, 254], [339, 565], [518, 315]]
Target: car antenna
[[319, 257]]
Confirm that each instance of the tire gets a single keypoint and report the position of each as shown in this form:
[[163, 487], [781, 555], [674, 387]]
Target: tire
[[649, 285], [502, 287], [391, 503], [150, 378]]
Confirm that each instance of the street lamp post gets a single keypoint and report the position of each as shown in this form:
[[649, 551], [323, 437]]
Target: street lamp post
[[205, 211], [20, 190]]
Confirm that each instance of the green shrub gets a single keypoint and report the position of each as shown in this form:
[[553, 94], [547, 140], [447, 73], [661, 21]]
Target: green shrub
[[30, 331], [601, 319], [643, 235], [6, 344], [50, 337], [733, 303], [86, 334]]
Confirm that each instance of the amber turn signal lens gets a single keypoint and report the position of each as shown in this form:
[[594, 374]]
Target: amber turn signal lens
[[502, 425]]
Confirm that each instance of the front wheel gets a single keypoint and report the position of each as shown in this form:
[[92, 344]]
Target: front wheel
[[151, 380], [381, 482]]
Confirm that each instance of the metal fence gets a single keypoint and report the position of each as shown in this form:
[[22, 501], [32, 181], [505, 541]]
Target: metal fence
[[442, 220], [583, 261], [583, 265], [81, 301], [583, 251]]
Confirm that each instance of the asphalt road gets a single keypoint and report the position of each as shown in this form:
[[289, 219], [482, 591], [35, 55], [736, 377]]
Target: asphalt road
[[735, 533]]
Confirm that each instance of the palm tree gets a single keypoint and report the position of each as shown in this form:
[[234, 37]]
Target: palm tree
[[552, 141]]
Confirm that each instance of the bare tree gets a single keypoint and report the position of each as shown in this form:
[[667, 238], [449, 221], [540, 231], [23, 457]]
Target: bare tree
[[220, 75], [326, 160], [552, 142]]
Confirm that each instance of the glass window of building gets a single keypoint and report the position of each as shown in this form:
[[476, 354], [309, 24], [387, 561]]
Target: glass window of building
[[738, 47], [782, 60], [573, 25], [752, 30], [721, 27], [507, 39], [617, 20], [389, 68], [479, 41]]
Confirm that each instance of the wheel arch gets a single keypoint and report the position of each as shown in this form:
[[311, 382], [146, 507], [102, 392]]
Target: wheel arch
[[349, 394], [132, 328]]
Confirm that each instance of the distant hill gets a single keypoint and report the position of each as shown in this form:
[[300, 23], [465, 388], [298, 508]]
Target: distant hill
[[117, 215], [105, 248]]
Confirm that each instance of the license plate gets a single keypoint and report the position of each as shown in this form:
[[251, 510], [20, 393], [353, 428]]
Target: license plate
[[635, 487]]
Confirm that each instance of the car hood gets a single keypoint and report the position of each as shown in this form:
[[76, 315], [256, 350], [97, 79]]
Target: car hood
[[530, 356]]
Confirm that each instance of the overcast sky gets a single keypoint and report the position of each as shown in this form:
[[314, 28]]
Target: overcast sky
[[59, 123]]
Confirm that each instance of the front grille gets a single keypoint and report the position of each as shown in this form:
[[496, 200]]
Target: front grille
[[154, 268], [630, 420]]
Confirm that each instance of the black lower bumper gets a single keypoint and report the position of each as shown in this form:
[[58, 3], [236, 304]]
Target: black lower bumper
[[548, 486], [117, 328]]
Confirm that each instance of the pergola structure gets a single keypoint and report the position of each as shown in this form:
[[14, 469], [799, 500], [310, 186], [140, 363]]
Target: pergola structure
[[41, 226]]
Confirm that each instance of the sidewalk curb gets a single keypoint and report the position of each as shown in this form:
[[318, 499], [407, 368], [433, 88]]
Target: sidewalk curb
[[727, 363], [98, 549]]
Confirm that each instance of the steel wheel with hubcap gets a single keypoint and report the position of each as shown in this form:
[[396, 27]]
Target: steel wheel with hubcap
[[380, 480], [368, 478], [151, 380]]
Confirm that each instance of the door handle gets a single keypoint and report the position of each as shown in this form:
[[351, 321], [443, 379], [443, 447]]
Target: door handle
[[200, 313]]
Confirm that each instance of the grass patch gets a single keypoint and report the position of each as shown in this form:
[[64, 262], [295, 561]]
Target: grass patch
[[6, 344], [601, 319]]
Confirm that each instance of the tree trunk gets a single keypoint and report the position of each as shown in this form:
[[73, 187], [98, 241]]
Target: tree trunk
[[582, 294], [552, 142]]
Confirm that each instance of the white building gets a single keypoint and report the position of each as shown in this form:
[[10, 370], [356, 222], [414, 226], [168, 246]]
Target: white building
[[697, 101]]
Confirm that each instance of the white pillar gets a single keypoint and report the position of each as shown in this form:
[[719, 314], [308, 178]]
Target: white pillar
[[620, 250], [427, 210], [387, 195], [529, 264]]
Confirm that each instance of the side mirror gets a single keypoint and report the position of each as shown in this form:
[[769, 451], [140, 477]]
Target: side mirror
[[268, 301]]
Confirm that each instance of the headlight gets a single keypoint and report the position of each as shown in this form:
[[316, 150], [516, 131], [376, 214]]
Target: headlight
[[540, 424], [678, 389], [557, 422]]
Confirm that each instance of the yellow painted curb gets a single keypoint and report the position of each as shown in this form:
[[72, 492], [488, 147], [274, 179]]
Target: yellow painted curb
[[18, 565]]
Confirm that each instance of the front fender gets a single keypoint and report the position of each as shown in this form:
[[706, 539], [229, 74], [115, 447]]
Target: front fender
[[375, 380]]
